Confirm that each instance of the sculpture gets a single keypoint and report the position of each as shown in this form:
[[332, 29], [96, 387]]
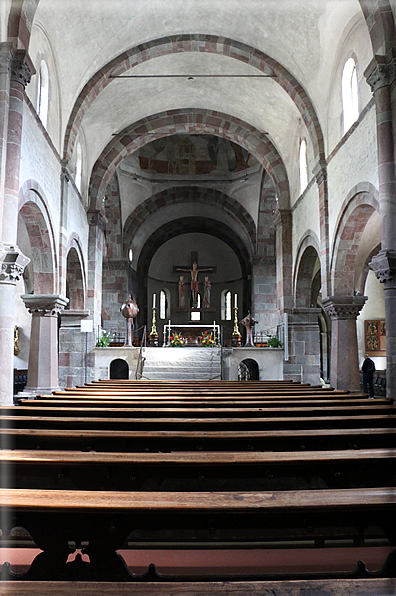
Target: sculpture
[[249, 323], [207, 288], [129, 310], [194, 281], [182, 287]]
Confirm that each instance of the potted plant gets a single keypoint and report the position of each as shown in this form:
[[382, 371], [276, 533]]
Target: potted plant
[[104, 340], [274, 342]]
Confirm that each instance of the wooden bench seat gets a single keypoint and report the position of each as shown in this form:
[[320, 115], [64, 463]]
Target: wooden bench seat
[[214, 471], [195, 440]]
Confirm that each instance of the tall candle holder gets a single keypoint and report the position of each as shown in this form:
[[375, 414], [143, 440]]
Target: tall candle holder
[[235, 334], [153, 332]]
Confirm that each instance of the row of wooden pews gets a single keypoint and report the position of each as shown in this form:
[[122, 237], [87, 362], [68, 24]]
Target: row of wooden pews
[[121, 465]]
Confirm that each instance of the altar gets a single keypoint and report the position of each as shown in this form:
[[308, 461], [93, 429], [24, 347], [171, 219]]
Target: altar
[[191, 333]]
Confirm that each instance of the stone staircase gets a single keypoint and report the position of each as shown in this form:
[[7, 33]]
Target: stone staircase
[[201, 364]]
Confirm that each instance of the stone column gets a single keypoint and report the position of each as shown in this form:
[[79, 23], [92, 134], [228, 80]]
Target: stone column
[[381, 77], [264, 298], [343, 311], [12, 265], [15, 74], [72, 348], [304, 346], [43, 354], [320, 173], [283, 227]]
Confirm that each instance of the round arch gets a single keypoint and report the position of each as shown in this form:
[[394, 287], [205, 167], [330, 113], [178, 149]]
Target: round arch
[[307, 256], [188, 121], [75, 282]]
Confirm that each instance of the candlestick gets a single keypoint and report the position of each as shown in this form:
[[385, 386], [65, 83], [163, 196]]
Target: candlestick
[[153, 300], [235, 333], [236, 301], [153, 332]]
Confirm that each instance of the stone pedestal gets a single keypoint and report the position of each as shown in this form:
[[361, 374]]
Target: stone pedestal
[[43, 354], [72, 349], [343, 311], [304, 346]]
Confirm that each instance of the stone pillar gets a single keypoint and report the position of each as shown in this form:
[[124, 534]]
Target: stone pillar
[[64, 195], [264, 298], [15, 74], [283, 228], [320, 173], [43, 354], [12, 265], [343, 311], [381, 77], [72, 348], [97, 228], [304, 346]]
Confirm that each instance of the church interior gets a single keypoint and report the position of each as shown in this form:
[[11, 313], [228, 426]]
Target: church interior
[[194, 195]]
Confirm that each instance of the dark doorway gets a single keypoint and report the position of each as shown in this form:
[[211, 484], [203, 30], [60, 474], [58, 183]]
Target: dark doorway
[[119, 369], [248, 370]]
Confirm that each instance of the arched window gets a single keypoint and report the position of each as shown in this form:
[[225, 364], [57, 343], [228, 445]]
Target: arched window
[[162, 305], [196, 315], [78, 178], [350, 105], [226, 305], [303, 166], [43, 93]]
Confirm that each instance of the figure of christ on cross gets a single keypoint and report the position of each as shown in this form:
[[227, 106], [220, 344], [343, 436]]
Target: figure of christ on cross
[[194, 280]]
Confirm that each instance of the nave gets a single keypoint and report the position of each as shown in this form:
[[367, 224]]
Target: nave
[[175, 488]]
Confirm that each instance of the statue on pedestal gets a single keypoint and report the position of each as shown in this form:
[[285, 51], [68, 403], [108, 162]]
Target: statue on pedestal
[[182, 289], [129, 310], [207, 288], [249, 323]]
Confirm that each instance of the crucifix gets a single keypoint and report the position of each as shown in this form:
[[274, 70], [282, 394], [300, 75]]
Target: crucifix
[[194, 270]]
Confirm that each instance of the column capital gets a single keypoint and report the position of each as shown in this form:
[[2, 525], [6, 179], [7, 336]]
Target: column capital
[[384, 267], [257, 260], [21, 68], [380, 72], [12, 263], [95, 218], [344, 307], [320, 172], [44, 304]]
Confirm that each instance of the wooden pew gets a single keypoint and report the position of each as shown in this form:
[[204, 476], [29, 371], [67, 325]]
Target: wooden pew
[[106, 519], [216, 471]]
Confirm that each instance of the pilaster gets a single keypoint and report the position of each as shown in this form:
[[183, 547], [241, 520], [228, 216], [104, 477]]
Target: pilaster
[[304, 346], [320, 173], [283, 230]]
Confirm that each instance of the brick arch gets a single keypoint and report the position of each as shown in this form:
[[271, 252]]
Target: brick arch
[[20, 22], [353, 218], [177, 195], [307, 253], [188, 121], [185, 225], [213, 44], [380, 24], [75, 287], [34, 209]]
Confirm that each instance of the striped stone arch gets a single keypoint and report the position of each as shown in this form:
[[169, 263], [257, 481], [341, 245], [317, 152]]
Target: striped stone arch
[[34, 209], [307, 253], [213, 44], [20, 22], [178, 195], [75, 274], [381, 25], [188, 121], [357, 209]]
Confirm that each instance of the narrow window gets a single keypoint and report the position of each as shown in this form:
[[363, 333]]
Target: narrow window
[[350, 104], [162, 305], [78, 178], [303, 166], [196, 315], [43, 93], [226, 305]]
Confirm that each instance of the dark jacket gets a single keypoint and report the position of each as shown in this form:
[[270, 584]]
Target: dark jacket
[[368, 367]]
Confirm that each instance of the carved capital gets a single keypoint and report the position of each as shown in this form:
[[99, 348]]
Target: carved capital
[[381, 75], [20, 71], [12, 263], [44, 304], [320, 172], [95, 218], [344, 307], [384, 267]]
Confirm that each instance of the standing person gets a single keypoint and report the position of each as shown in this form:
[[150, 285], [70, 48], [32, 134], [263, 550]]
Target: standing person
[[368, 369]]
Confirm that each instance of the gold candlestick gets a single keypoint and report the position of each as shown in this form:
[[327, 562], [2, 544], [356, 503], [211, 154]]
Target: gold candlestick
[[153, 332], [235, 333]]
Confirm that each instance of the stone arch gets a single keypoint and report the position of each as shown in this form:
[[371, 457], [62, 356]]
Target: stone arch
[[177, 195], [307, 255], [34, 211], [118, 369], [248, 370], [380, 23], [75, 278], [355, 213], [188, 121], [20, 22], [214, 44]]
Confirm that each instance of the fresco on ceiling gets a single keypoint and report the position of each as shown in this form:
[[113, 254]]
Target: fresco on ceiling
[[194, 155]]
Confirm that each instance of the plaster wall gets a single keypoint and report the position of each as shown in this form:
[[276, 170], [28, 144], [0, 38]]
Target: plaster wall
[[105, 356], [305, 217], [77, 222], [354, 162], [373, 309]]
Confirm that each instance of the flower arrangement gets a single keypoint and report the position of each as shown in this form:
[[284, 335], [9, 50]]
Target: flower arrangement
[[207, 339], [104, 340], [177, 340], [274, 342]]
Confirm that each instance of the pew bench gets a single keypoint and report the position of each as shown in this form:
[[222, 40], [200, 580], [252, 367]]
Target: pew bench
[[106, 520], [196, 471]]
